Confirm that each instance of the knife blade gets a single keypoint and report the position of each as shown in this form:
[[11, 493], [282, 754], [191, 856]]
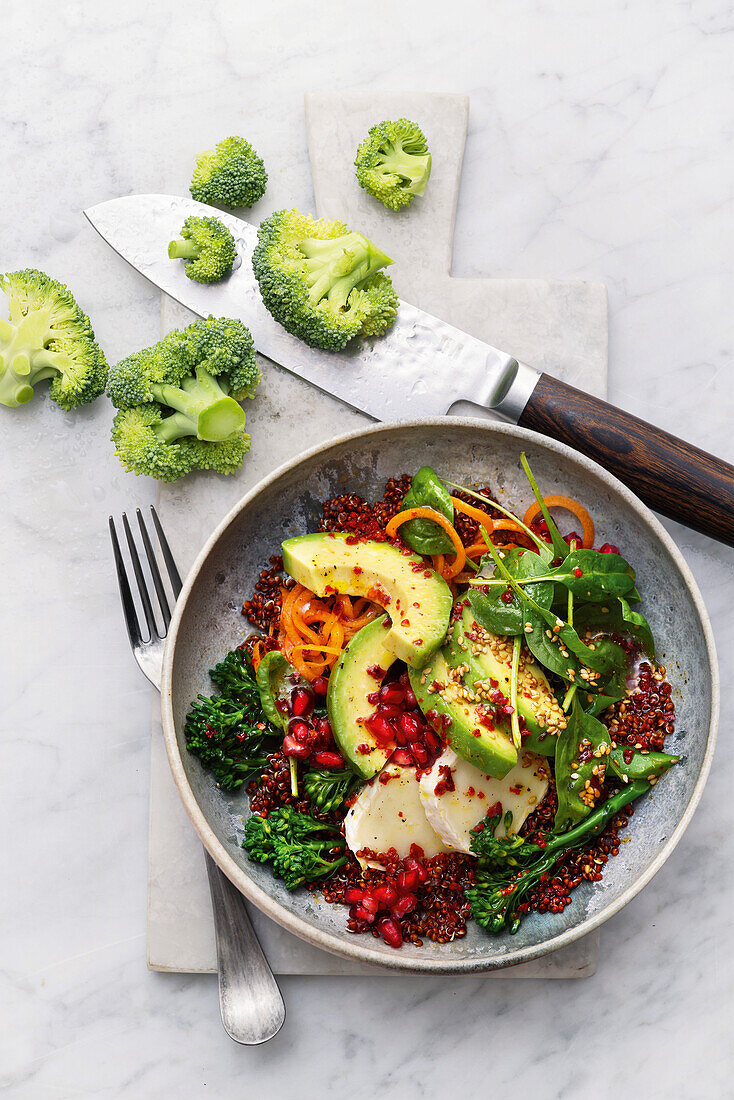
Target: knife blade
[[426, 365]]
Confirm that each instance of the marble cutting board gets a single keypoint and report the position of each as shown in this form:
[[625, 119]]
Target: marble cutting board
[[560, 327]]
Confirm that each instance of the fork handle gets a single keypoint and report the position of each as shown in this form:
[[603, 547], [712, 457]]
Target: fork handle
[[251, 1004]]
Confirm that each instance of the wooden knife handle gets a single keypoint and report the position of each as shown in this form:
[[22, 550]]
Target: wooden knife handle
[[671, 476]]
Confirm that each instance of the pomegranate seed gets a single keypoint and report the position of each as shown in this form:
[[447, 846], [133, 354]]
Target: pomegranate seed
[[389, 710], [299, 729], [392, 694], [413, 865], [353, 895], [405, 904], [380, 729], [291, 747], [419, 752], [409, 725], [326, 759], [390, 932], [574, 537], [410, 700], [609, 548], [386, 894], [407, 880], [433, 741], [301, 702], [370, 903], [322, 727], [320, 685], [358, 912], [402, 757]]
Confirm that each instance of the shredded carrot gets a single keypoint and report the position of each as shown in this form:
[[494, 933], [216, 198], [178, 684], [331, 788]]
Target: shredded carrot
[[477, 550], [314, 630], [257, 655], [474, 513], [572, 506], [457, 564]]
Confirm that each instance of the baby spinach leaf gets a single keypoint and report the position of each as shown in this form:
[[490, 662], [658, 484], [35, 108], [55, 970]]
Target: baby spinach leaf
[[594, 576], [560, 546], [597, 704], [583, 746], [423, 535], [275, 678], [493, 612], [640, 765], [618, 617]]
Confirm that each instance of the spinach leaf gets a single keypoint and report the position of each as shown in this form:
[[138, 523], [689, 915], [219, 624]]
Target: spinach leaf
[[647, 766], [493, 613], [618, 617], [423, 535], [560, 546], [583, 746], [597, 704], [593, 576], [276, 676]]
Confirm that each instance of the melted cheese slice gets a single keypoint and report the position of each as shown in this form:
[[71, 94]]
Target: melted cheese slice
[[454, 814], [389, 814]]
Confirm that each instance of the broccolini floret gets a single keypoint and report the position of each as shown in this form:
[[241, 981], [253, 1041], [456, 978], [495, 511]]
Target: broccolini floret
[[231, 174], [229, 732], [178, 401], [321, 281], [393, 163], [47, 337], [300, 847], [207, 246]]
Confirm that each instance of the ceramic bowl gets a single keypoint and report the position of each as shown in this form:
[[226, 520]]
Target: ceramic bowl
[[207, 622]]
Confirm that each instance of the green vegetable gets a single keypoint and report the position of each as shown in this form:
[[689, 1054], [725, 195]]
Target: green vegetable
[[617, 617], [543, 549], [492, 612], [178, 401], [229, 732], [209, 248], [231, 174], [393, 163], [47, 337], [300, 848], [322, 282], [641, 765], [559, 544], [582, 747], [327, 789], [423, 535], [509, 869], [276, 678]]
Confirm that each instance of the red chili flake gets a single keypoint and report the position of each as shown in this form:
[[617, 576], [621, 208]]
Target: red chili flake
[[471, 792], [417, 641], [517, 789], [578, 572], [405, 622], [376, 673], [378, 595], [507, 596], [446, 782], [364, 749], [357, 570], [495, 810], [476, 733]]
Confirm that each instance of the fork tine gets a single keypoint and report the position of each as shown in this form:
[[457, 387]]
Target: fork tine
[[173, 573], [155, 572], [128, 604], [142, 587]]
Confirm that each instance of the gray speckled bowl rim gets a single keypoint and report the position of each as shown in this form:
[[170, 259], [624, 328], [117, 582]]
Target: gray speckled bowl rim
[[358, 950]]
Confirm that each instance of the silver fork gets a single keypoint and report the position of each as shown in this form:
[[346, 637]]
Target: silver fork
[[249, 999]]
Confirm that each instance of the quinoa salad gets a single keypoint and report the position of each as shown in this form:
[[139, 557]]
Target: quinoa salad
[[445, 711]]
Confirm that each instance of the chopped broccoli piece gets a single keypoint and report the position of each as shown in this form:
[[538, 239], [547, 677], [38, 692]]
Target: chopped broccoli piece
[[47, 336], [322, 282], [177, 401], [301, 848], [393, 163], [327, 789], [207, 246], [229, 732], [231, 174]]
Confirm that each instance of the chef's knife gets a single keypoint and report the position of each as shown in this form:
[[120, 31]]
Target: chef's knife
[[424, 366]]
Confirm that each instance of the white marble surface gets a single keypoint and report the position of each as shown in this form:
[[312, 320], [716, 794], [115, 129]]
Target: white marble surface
[[599, 148]]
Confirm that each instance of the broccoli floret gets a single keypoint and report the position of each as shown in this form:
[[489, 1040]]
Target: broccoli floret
[[47, 336], [177, 401], [322, 282], [301, 848], [208, 246], [231, 174], [393, 163]]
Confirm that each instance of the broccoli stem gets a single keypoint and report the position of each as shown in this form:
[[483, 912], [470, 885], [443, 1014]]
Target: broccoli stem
[[202, 408], [183, 250], [408, 167], [337, 265], [23, 360]]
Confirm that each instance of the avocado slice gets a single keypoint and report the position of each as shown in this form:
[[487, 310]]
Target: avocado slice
[[415, 597], [489, 657], [440, 691], [357, 674]]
